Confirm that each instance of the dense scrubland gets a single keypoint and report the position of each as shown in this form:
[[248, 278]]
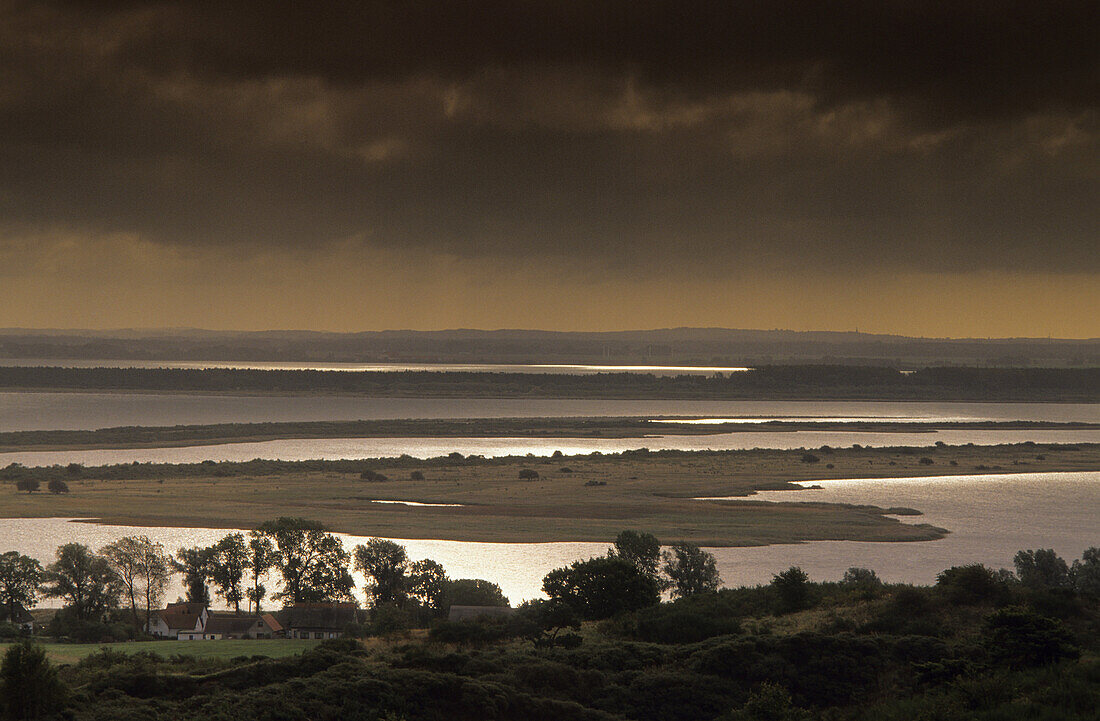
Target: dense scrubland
[[979, 644], [765, 382]]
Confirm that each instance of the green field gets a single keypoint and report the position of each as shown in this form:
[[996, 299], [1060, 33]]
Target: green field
[[276, 648]]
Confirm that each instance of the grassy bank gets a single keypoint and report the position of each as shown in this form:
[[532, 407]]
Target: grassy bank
[[610, 427], [579, 498]]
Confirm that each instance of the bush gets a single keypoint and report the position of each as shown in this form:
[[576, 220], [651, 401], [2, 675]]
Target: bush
[[810, 458], [29, 687], [57, 486], [369, 475], [864, 582], [793, 587], [479, 632], [681, 623], [1021, 638], [528, 474], [972, 584], [416, 476], [926, 461]]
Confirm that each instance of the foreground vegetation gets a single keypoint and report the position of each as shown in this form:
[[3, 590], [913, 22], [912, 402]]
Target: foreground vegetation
[[562, 498], [979, 644], [765, 382]]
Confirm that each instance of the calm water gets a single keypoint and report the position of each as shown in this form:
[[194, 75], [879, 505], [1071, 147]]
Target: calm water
[[87, 411], [352, 448], [990, 518], [566, 368]]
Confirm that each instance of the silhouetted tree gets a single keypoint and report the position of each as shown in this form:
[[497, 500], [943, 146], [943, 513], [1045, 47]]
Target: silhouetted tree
[[1042, 569], [385, 565], [83, 579], [601, 587], [641, 549], [229, 559], [19, 579], [57, 486], [474, 592], [427, 582], [691, 570], [312, 562], [793, 587], [30, 485], [261, 559], [1086, 572], [194, 564], [142, 569]]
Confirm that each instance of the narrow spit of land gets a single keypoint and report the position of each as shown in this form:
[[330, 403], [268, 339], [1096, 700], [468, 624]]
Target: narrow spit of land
[[563, 498], [587, 427]]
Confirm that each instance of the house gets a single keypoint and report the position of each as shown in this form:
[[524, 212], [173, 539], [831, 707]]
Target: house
[[221, 625], [318, 620], [177, 618], [21, 617], [473, 613]]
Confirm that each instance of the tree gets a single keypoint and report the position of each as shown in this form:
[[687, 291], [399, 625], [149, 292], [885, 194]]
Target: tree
[[30, 485], [641, 549], [428, 584], [84, 580], [863, 581], [385, 564], [261, 558], [312, 563], [29, 685], [19, 579], [691, 570], [474, 592], [1042, 569], [156, 571], [1086, 572], [601, 587], [143, 571], [793, 586], [194, 564], [57, 486], [229, 559], [973, 583]]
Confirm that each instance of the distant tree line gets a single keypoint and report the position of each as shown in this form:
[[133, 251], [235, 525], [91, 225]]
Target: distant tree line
[[772, 381]]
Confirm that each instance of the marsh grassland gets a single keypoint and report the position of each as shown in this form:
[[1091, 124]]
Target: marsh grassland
[[578, 498]]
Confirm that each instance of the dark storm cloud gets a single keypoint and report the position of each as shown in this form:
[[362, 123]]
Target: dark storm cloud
[[922, 135]]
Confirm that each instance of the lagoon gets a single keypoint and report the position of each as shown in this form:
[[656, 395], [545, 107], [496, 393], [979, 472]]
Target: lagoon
[[78, 410]]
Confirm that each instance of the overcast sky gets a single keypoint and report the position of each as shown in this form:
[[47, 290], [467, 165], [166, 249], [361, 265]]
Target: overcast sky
[[893, 165]]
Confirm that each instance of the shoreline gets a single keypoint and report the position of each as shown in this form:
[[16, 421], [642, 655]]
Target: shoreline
[[582, 428]]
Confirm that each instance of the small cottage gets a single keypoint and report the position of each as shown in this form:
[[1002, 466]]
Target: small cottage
[[21, 617], [318, 620], [177, 618]]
